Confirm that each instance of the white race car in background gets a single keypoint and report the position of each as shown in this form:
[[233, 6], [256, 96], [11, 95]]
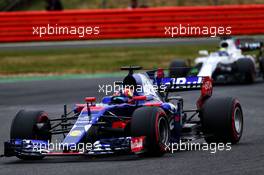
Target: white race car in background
[[228, 64]]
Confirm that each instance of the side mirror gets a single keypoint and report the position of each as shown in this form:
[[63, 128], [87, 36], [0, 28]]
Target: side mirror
[[160, 73], [90, 99], [138, 98], [203, 52]]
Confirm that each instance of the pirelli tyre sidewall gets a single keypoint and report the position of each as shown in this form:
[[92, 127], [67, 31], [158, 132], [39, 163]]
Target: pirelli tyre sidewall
[[222, 120], [152, 123]]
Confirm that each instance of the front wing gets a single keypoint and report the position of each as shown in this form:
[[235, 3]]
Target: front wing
[[122, 145]]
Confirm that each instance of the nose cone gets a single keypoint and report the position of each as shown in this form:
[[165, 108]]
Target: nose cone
[[206, 70], [74, 137]]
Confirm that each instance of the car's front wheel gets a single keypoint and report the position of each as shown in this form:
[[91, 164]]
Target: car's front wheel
[[152, 123], [33, 125], [247, 69]]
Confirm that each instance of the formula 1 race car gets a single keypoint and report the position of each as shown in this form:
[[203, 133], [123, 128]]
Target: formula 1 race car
[[140, 118], [226, 65]]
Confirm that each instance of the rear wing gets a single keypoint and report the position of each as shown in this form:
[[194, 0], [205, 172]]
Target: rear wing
[[249, 45], [171, 84], [204, 84], [181, 83]]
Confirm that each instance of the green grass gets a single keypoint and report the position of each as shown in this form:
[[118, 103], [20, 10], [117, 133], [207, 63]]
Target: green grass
[[92, 60]]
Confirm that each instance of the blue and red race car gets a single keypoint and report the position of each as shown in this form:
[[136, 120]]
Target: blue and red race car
[[141, 118]]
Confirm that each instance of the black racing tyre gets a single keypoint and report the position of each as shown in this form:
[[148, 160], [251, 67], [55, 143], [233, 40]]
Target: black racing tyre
[[247, 69], [222, 120], [261, 66], [30, 125], [178, 68], [151, 122]]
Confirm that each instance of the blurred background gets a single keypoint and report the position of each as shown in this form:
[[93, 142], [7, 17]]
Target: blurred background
[[131, 32], [14, 5]]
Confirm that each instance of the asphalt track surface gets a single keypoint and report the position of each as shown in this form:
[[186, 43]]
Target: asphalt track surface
[[113, 43], [244, 158], [104, 43]]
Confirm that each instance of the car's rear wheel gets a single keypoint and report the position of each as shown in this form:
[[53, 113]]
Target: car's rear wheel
[[222, 120], [247, 69], [33, 125], [178, 68], [261, 66], [152, 123]]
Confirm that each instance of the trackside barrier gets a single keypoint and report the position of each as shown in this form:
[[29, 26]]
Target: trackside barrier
[[130, 23]]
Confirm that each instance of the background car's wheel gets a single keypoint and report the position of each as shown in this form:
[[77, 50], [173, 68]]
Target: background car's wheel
[[261, 66], [195, 70], [247, 69], [30, 125], [178, 68], [152, 123], [222, 120]]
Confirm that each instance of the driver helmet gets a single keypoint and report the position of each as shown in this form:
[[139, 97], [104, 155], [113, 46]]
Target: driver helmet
[[223, 46], [127, 92]]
